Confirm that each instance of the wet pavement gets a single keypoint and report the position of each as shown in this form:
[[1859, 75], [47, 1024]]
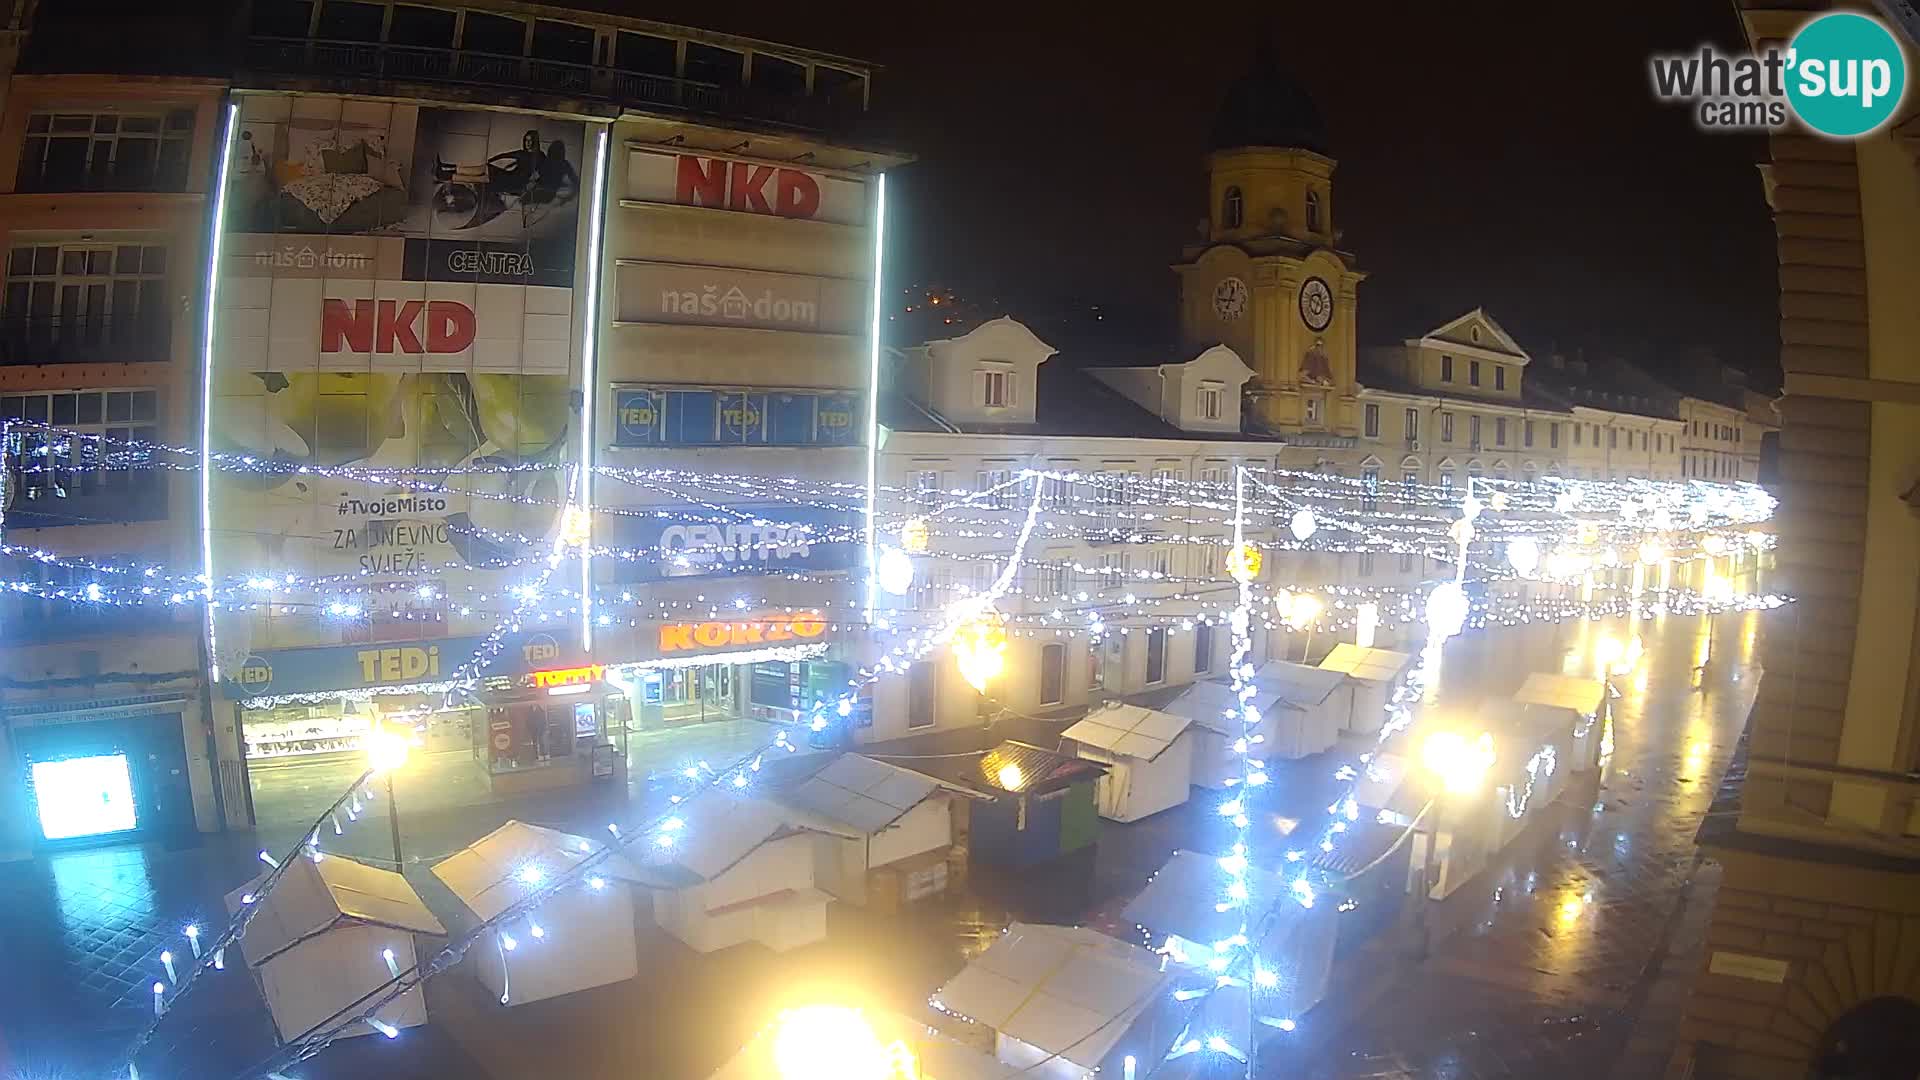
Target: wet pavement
[[1568, 957]]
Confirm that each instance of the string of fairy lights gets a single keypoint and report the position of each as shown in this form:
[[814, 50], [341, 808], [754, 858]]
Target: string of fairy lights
[[1564, 535]]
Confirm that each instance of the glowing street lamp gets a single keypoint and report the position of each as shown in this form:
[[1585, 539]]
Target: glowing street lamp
[[979, 650], [1302, 610], [833, 1042], [387, 749], [1459, 763]]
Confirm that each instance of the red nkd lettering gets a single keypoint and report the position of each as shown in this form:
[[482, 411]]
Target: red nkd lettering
[[700, 181], [393, 326], [742, 186]]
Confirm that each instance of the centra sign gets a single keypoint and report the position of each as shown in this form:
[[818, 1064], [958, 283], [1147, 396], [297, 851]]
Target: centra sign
[[683, 637]]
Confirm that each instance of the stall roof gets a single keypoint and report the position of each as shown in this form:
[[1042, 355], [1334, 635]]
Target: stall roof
[[1067, 990], [1367, 665], [1298, 685], [1380, 777], [1582, 695], [857, 792], [1129, 730], [314, 896], [718, 829], [1184, 898], [1206, 704], [515, 860], [1028, 770], [936, 1055]]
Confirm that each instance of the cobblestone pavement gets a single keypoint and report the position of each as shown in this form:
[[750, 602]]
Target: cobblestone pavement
[[1569, 958]]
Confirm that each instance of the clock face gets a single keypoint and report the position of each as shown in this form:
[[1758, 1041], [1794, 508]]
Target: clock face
[[1316, 304], [1230, 298]]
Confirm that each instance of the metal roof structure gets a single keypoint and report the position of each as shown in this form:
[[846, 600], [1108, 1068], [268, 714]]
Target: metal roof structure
[[1184, 898], [1367, 665], [1582, 695], [1068, 991], [858, 792], [517, 859], [1129, 730], [1207, 703], [1037, 771]]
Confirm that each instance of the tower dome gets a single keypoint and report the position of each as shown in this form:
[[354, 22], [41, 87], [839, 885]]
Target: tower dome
[[1268, 107]]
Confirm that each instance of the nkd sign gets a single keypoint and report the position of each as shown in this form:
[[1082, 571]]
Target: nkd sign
[[396, 326], [747, 187]]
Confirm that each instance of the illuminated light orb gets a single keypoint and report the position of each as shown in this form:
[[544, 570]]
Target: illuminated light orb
[[1302, 609], [1715, 544], [1302, 525], [833, 1042], [1565, 500], [1446, 609], [1523, 555], [1458, 762], [1610, 557], [914, 535], [1012, 777], [1470, 507], [1651, 553], [894, 573], [576, 526], [979, 650], [1461, 531], [386, 749], [1244, 561], [1497, 501], [1757, 540]]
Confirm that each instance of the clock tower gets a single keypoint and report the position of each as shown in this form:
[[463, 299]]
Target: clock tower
[[1268, 279]]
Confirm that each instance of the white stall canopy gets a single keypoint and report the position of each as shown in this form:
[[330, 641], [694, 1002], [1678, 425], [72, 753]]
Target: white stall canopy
[[879, 815], [1376, 674], [1150, 753], [1577, 693], [855, 795], [1066, 1001], [738, 871], [318, 940], [1207, 705], [579, 936], [1312, 704]]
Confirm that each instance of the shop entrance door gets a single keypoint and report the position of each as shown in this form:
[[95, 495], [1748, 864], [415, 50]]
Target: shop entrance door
[[716, 692], [106, 780]]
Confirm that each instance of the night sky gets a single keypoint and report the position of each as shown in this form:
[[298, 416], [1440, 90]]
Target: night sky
[[1507, 155]]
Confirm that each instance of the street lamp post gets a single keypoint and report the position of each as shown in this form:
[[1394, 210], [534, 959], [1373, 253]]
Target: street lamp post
[[386, 753], [1459, 765]]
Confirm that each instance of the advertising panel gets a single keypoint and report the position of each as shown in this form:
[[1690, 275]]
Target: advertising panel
[[722, 296], [696, 416], [397, 293], [666, 544], [691, 179]]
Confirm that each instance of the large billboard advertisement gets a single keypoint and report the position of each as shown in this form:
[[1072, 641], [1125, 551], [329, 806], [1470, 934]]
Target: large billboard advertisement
[[397, 292]]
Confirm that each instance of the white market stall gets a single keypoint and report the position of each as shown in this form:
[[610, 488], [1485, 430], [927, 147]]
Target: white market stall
[[742, 872], [1583, 701], [892, 828], [321, 939], [1066, 1003], [1214, 735], [1310, 704], [1531, 751], [580, 937], [1180, 910], [1377, 674], [1150, 755], [843, 1041]]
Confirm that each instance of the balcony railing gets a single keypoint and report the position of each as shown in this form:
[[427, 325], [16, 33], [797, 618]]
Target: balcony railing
[[60, 340], [374, 60]]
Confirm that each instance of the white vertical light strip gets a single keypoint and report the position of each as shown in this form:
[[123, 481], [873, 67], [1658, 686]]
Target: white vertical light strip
[[873, 378], [215, 242], [589, 376]]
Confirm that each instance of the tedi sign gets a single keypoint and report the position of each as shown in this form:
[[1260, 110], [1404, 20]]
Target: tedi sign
[[396, 326]]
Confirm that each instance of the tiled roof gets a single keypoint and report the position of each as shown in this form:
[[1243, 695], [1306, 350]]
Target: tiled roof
[[1040, 771]]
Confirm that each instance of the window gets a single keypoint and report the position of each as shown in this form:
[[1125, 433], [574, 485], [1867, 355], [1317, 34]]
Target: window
[[1160, 561], [423, 27], [1370, 483], [1053, 674], [108, 151], [1208, 401], [923, 694], [1058, 494], [1526, 432], [77, 302], [1000, 483], [645, 53], [1613, 438], [92, 476], [1366, 564], [1446, 479], [926, 487], [1499, 376], [1446, 427], [1446, 369], [1413, 424], [775, 76], [1406, 562], [1473, 431], [1156, 655], [1499, 431], [707, 63], [1372, 414], [1233, 209], [1409, 481], [1553, 436], [1206, 561], [1313, 409], [996, 388], [1473, 373], [1595, 432], [1202, 649], [1577, 429], [1313, 212]]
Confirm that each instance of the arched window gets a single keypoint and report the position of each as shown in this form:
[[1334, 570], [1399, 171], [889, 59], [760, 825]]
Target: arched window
[[1053, 674], [1233, 209], [1313, 211]]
